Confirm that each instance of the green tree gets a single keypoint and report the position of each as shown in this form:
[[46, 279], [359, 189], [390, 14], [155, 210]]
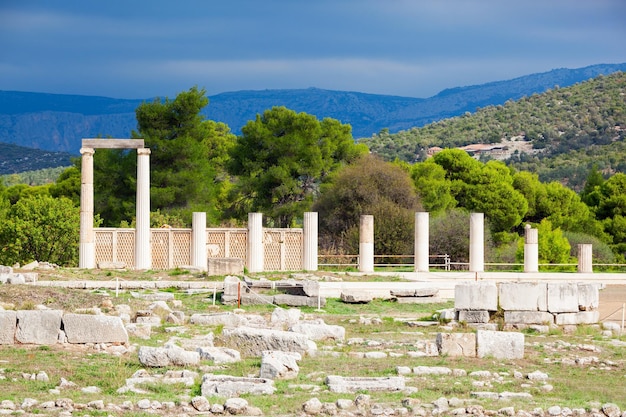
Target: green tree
[[281, 159], [554, 248], [187, 160], [369, 186], [433, 189], [41, 228]]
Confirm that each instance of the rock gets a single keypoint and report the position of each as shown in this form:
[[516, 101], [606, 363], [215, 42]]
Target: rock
[[355, 384], [38, 327], [281, 365], [431, 370], [611, 410], [8, 325], [537, 376], [200, 403], [162, 357], [456, 344], [217, 319], [285, 318], [500, 345], [236, 406], [88, 328], [253, 342], [356, 297], [319, 331], [219, 355], [231, 386]]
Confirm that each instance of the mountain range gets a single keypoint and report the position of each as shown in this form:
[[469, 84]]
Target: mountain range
[[58, 123]]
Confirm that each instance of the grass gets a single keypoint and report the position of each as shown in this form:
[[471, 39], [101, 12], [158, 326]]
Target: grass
[[574, 386]]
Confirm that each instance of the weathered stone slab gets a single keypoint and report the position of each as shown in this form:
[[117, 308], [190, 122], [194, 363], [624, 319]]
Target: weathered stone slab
[[89, 328], [251, 299], [562, 297], [311, 288], [232, 286], [319, 331], [500, 345], [233, 386], [298, 300], [217, 319], [523, 296], [157, 357], [219, 355], [342, 384], [476, 296], [253, 342], [528, 317], [431, 370], [38, 327], [8, 324], [588, 297], [420, 300], [582, 317], [474, 316], [456, 344], [224, 266], [356, 297], [283, 365]]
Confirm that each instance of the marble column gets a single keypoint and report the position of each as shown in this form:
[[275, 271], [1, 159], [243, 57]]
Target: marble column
[[87, 245], [256, 255], [198, 241], [477, 242], [143, 254], [366, 243], [309, 258], [531, 249], [585, 258], [421, 246]]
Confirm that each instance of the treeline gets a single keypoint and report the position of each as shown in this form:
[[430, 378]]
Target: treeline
[[286, 163]]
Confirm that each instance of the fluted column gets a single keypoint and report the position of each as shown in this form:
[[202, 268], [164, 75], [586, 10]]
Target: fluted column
[[198, 242], [366, 243], [87, 245], [477, 242], [421, 246], [143, 254], [309, 258], [531, 249], [585, 257], [256, 254]]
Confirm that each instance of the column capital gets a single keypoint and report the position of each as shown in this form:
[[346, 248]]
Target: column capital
[[143, 151], [87, 151]]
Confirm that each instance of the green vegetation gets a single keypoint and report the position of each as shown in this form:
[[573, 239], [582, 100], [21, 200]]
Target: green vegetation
[[286, 163]]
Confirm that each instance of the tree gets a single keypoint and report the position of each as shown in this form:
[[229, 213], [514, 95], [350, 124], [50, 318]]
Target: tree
[[187, 160], [554, 248], [281, 159], [41, 228], [433, 189], [369, 186]]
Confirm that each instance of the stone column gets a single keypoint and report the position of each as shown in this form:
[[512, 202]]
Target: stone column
[[531, 249], [309, 255], [477, 242], [87, 246], [256, 255], [366, 243], [421, 246], [143, 254], [198, 242], [585, 258]]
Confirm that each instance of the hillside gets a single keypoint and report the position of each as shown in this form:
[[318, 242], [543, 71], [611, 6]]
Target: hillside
[[59, 122], [16, 159], [566, 131]]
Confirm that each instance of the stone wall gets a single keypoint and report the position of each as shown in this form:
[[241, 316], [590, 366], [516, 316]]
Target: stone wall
[[48, 327], [528, 303]]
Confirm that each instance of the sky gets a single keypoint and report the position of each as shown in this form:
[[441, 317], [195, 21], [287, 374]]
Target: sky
[[414, 48]]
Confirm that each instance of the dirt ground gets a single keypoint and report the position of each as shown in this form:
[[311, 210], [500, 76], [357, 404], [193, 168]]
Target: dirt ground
[[612, 299]]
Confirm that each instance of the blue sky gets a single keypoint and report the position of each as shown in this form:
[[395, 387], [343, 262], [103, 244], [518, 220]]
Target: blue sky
[[413, 48]]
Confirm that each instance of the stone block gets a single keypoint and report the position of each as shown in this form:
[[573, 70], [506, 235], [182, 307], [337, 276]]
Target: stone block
[[341, 384], [562, 297], [474, 316], [8, 324], [476, 296], [234, 386], [89, 328], [500, 345], [588, 297], [528, 317], [298, 300], [232, 286], [582, 317], [224, 266], [456, 344], [311, 288], [420, 300], [523, 296], [38, 327], [356, 297]]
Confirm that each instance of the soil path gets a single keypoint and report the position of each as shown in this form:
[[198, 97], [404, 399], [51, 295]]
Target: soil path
[[612, 299]]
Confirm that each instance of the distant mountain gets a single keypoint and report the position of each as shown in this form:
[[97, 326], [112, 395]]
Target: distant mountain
[[15, 159], [56, 122]]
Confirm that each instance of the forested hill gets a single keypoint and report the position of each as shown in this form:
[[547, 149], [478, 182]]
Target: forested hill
[[59, 122], [565, 131]]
